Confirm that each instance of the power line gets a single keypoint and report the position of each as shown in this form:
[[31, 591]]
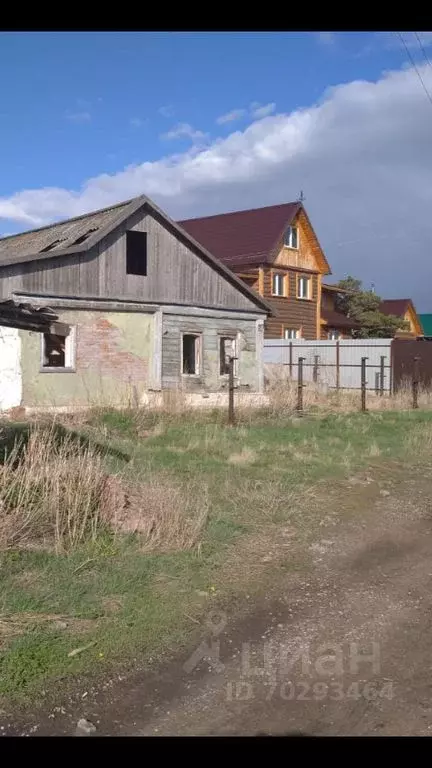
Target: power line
[[415, 67], [423, 49]]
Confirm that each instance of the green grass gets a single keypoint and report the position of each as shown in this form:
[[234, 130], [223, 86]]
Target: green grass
[[129, 604]]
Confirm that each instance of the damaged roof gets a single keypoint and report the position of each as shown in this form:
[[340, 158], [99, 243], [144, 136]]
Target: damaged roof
[[25, 316]]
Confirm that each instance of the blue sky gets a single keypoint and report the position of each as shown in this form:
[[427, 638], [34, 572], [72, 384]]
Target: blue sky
[[206, 122]]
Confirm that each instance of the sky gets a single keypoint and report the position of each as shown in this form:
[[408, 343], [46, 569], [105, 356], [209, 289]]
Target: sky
[[211, 122]]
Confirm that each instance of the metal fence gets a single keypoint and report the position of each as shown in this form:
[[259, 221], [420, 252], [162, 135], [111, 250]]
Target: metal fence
[[336, 364]]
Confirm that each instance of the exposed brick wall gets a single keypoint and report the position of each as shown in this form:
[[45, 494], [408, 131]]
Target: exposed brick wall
[[99, 347]]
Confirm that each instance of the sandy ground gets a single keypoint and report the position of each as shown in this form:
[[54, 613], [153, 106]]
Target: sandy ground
[[342, 647]]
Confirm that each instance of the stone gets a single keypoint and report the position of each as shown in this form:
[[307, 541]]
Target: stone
[[85, 726], [384, 493]]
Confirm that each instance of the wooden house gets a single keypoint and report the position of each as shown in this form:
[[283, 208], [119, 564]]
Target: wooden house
[[146, 306], [275, 251], [334, 324], [405, 309]]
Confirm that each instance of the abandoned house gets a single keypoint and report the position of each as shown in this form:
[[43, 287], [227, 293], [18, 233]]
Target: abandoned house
[[137, 306], [275, 251]]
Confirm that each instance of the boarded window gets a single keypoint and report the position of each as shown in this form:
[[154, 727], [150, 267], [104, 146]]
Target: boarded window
[[227, 349], [58, 351], [136, 253], [191, 354]]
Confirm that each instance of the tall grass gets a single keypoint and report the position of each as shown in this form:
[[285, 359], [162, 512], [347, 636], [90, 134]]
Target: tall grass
[[50, 491]]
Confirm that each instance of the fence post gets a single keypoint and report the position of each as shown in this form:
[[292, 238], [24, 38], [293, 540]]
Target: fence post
[[377, 382], [315, 369], [291, 359], [363, 383], [337, 364], [300, 385], [415, 381], [231, 416], [382, 361]]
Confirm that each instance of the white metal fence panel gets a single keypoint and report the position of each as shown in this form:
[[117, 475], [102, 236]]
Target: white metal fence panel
[[333, 363]]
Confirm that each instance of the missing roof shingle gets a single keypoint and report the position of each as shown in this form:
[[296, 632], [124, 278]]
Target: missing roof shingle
[[83, 237], [52, 245]]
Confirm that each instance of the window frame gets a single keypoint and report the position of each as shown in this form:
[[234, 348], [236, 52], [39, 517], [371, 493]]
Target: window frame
[[290, 229], [198, 357], [70, 354], [298, 332], [233, 336], [284, 276], [331, 331], [310, 287], [130, 234]]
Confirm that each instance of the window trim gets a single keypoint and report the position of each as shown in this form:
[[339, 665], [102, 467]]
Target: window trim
[[309, 297], [199, 336], [292, 247], [285, 283], [72, 354], [235, 338], [299, 332]]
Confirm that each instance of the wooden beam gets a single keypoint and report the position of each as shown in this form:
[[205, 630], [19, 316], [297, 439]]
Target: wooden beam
[[318, 306], [261, 281]]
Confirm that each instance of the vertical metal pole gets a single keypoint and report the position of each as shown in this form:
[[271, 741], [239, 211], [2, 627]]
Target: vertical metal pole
[[377, 382], [300, 385], [337, 364], [415, 381], [363, 383], [315, 369], [231, 417], [291, 359], [382, 361]]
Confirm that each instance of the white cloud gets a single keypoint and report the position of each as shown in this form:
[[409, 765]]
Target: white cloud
[[78, 117], [183, 131], [167, 111], [362, 156], [259, 111], [327, 38], [229, 117]]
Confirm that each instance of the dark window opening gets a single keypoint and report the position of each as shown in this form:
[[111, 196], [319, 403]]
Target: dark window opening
[[136, 253], [83, 237], [54, 351], [52, 245], [226, 350], [190, 354]]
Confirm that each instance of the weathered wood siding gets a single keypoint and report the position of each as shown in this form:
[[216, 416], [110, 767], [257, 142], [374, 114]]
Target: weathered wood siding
[[176, 274], [291, 312], [249, 363]]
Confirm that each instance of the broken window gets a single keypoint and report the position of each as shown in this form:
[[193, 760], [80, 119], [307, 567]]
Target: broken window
[[227, 349], [191, 350], [136, 253], [58, 351]]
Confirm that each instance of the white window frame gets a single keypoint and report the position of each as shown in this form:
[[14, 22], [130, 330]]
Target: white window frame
[[275, 277], [300, 280], [198, 353], [331, 334], [234, 338], [289, 331], [289, 236], [70, 354]]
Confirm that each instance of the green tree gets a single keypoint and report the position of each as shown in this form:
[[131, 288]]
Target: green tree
[[363, 307]]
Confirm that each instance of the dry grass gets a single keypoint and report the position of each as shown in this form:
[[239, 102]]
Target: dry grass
[[166, 517], [50, 491], [246, 456]]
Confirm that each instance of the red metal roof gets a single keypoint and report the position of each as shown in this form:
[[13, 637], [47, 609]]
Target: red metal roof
[[243, 237], [396, 307]]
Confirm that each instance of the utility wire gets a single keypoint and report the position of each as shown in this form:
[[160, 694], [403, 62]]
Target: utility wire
[[415, 67], [423, 49]]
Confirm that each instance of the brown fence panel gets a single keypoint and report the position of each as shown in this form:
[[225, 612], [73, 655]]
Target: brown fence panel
[[404, 352]]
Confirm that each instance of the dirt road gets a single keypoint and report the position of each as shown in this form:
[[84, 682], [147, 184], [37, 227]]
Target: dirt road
[[344, 646]]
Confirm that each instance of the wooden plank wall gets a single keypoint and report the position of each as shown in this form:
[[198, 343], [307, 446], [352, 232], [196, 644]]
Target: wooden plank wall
[[290, 311]]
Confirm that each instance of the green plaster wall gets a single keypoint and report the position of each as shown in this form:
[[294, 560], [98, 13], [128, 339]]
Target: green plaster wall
[[113, 361]]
